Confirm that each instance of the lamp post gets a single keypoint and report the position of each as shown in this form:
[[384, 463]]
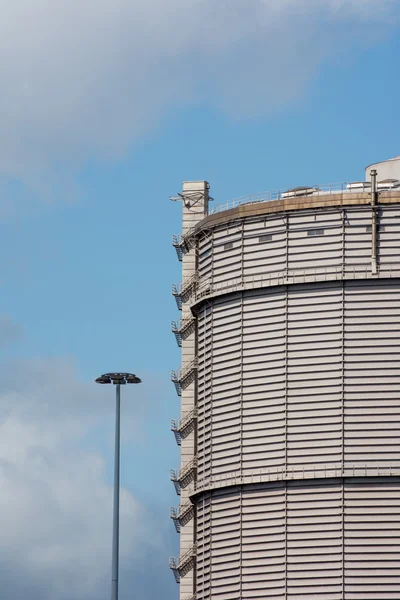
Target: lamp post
[[117, 379]]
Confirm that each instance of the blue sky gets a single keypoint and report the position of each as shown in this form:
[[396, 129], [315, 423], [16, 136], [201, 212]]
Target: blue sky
[[257, 96]]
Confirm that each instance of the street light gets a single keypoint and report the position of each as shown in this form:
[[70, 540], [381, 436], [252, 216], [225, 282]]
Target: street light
[[117, 379]]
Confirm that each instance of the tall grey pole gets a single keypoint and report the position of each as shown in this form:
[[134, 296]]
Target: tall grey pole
[[115, 548], [117, 379]]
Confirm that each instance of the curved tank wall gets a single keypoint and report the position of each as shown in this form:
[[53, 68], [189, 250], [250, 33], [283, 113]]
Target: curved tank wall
[[328, 540], [387, 169], [302, 377], [301, 245], [296, 442]]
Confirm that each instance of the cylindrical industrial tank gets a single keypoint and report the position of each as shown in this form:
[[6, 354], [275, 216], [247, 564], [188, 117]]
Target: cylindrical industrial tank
[[296, 389], [387, 170]]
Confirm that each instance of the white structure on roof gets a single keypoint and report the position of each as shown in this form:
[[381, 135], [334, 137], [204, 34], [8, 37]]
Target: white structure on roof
[[388, 170], [290, 426]]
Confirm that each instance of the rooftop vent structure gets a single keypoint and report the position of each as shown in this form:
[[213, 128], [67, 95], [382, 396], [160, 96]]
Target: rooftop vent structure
[[388, 184], [358, 185], [298, 191]]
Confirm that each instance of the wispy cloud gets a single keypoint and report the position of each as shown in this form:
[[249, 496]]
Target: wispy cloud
[[83, 80], [10, 331], [55, 504]]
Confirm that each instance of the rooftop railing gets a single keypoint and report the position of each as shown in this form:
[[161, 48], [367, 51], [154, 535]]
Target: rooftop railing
[[312, 190]]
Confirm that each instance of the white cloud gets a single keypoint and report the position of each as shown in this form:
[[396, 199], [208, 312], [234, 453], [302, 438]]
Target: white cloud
[[83, 80], [55, 505], [10, 331]]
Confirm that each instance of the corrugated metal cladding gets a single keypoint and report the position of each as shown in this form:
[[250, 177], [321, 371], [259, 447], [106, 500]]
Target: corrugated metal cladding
[[332, 539], [300, 377], [297, 490], [303, 243]]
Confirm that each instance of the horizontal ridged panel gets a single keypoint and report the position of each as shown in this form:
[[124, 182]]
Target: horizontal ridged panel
[[300, 540], [283, 383], [287, 244]]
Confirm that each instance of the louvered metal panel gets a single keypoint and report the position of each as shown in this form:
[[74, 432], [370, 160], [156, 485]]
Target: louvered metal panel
[[329, 539], [283, 244], [286, 404]]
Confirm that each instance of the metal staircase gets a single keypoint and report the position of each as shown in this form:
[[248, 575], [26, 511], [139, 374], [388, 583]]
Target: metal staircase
[[176, 379], [182, 377], [188, 284], [188, 471], [178, 245], [183, 242], [174, 514], [176, 292], [183, 563], [181, 478], [188, 418], [181, 515], [184, 290], [177, 331], [182, 328], [181, 426], [175, 427], [175, 480]]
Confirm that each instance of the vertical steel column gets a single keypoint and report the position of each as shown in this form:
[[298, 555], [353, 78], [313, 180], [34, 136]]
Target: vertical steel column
[[344, 223], [286, 399], [343, 434], [210, 589], [204, 548], [241, 472], [196, 248], [115, 544], [374, 225]]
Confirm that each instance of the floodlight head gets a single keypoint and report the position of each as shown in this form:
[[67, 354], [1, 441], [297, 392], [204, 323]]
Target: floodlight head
[[118, 378], [103, 379], [133, 379]]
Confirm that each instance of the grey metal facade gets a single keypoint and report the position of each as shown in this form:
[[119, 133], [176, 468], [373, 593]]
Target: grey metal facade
[[290, 428]]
